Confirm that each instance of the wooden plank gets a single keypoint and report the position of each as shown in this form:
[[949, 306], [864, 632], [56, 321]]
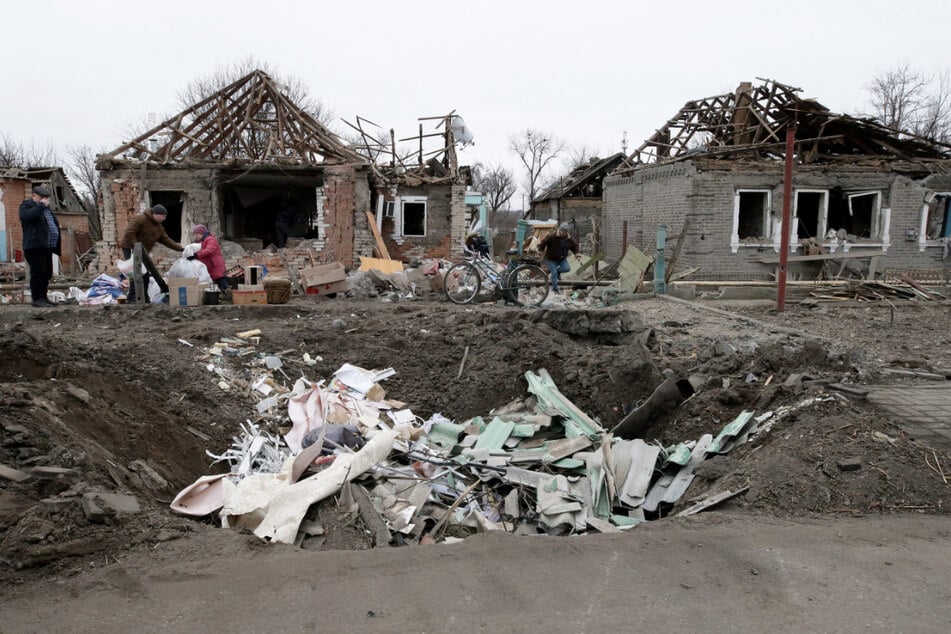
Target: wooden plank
[[713, 500], [681, 238], [773, 259], [380, 245]]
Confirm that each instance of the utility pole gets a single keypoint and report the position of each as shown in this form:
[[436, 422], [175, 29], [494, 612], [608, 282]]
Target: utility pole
[[787, 217]]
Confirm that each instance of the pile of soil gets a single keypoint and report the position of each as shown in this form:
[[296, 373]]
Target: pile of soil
[[117, 399]]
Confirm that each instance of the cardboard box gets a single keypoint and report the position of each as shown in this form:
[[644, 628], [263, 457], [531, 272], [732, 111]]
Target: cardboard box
[[249, 297], [185, 291], [323, 274], [327, 289], [250, 287]]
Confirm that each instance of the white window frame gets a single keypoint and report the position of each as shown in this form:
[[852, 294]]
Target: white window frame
[[881, 226], [399, 207], [768, 222], [923, 241], [823, 217]]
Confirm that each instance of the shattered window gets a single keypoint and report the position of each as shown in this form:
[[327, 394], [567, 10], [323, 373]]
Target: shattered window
[[414, 218], [937, 224], [854, 214], [753, 214], [810, 214]]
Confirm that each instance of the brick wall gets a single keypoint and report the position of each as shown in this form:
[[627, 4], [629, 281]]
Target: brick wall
[[13, 191], [705, 194], [445, 224]]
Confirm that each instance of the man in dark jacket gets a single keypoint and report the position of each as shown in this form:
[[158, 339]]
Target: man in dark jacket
[[41, 239], [556, 247], [148, 229]]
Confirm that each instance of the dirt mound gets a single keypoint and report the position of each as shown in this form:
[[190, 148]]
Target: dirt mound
[[122, 400]]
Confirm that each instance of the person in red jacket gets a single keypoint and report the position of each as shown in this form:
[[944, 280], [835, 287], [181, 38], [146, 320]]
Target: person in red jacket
[[210, 255]]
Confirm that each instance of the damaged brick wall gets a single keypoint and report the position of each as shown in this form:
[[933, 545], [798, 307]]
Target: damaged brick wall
[[13, 191], [445, 224], [339, 214], [125, 192], [668, 194]]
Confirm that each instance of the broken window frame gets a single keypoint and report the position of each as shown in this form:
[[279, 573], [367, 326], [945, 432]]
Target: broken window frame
[[822, 220], [768, 221], [400, 223], [880, 225], [923, 240]]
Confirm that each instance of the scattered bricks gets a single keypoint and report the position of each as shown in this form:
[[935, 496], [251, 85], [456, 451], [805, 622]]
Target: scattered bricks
[[99, 506], [57, 504], [78, 393], [149, 475], [50, 473], [849, 464]]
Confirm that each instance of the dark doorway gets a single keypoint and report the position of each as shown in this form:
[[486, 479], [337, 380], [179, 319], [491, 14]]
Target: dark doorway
[[175, 203]]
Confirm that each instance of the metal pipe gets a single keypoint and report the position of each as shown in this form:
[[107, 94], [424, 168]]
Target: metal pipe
[[787, 219]]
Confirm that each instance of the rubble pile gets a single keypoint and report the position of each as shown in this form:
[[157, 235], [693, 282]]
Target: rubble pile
[[536, 465]]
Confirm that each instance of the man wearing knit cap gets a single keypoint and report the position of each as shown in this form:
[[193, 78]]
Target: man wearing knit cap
[[556, 246], [146, 228], [210, 255], [41, 240]]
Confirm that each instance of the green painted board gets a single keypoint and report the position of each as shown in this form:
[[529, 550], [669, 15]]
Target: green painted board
[[494, 435], [729, 431]]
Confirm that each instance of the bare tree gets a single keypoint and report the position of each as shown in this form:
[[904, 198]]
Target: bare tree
[[497, 184], [578, 155], [82, 170], [913, 102], [536, 150], [295, 89], [14, 154]]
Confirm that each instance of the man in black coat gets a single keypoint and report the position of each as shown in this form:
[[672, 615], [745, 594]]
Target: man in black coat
[[41, 239]]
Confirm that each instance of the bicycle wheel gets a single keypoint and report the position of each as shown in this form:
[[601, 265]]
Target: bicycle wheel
[[528, 284], [462, 283]]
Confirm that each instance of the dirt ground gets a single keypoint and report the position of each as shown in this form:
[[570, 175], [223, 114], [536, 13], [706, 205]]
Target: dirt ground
[[104, 396]]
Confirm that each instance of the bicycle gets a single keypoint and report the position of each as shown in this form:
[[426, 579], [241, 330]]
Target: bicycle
[[521, 282]]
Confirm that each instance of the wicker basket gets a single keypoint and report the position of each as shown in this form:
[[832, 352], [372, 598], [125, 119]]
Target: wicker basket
[[278, 290]]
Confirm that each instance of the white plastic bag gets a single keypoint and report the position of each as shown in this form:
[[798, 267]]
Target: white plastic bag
[[184, 267], [125, 267]]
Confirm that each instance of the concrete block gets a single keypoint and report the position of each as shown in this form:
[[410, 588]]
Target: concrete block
[[98, 505]]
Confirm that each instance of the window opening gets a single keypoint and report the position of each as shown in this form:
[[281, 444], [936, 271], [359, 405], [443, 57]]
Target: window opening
[[938, 224], [810, 210], [753, 219], [414, 218], [855, 214]]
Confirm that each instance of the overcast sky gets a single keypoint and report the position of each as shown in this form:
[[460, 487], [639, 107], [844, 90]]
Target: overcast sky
[[82, 73]]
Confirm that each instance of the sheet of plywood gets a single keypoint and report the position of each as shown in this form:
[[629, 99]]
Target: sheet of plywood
[[631, 268], [378, 264]]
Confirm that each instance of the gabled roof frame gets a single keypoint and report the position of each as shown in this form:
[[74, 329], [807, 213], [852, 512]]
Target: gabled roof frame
[[250, 120]]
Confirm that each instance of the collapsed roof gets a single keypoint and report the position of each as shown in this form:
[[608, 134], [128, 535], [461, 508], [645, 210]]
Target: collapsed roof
[[415, 164], [753, 120], [577, 180], [250, 120]]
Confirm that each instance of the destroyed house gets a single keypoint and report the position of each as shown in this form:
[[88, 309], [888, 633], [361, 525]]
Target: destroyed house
[[418, 195], [714, 175], [577, 197], [16, 185], [234, 162]]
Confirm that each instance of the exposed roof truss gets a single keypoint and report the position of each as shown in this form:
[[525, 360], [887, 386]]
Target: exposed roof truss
[[754, 118], [249, 120]]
